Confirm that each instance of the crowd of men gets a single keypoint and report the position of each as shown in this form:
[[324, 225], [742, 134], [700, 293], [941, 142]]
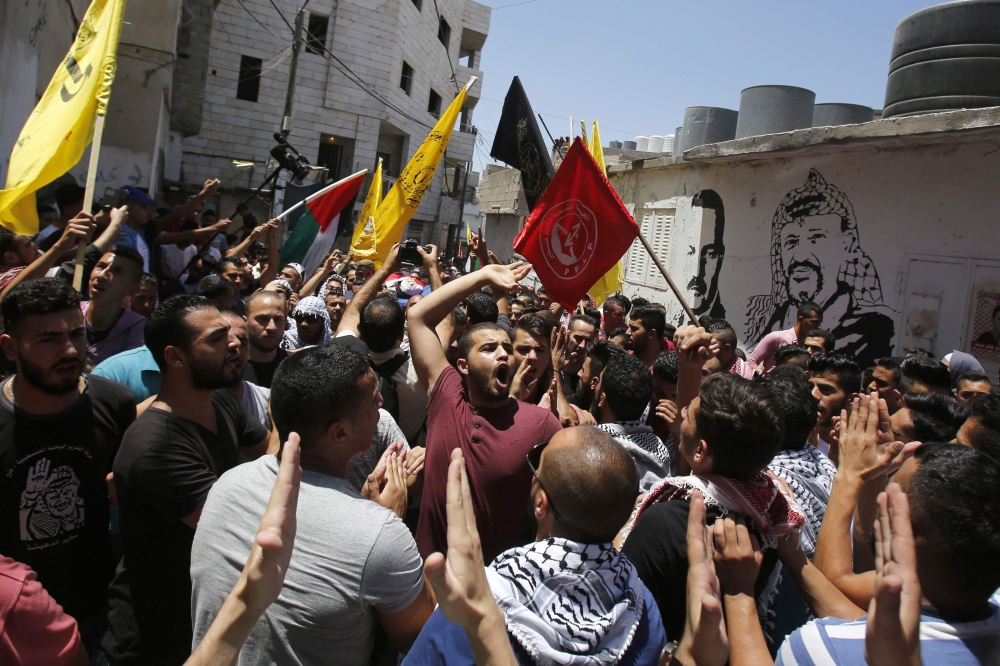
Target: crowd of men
[[211, 457]]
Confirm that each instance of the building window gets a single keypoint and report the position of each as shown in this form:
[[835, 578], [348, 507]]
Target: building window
[[386, 163], [444, 31], [406, 78], [329, 155], [656, 225], [418, 4], [434, 104], [248, 85], [316, 33]]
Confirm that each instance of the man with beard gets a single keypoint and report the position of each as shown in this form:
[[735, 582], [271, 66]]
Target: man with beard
[[265, 315], [336, 304], [590, 374], [808, 317], [705, 285], [470, 407], [192, 433], [835, 379], [58, 435], [253, 398], [615, 309], [645, 333], [582, 333]]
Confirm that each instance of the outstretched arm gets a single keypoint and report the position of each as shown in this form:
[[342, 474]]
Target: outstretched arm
[[319, 275], [364, 296], [822, 596], [273, 258], [188, 207], [77, 231]]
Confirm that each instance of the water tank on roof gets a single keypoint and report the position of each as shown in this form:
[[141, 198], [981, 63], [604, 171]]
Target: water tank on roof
[[668, 144], [656, 143], [831, 115], [628, 145], [642, 143], [945, 57], [614, 144], [774, 109], [705, 124]]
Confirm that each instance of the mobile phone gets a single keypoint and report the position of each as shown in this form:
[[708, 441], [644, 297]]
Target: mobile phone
[[113, 197]]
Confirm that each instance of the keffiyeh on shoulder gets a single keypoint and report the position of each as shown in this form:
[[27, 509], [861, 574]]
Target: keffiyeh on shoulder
[[567, 602], [809, 474]]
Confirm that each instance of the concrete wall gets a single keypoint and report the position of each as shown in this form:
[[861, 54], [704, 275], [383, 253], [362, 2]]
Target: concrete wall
[[895, 237]]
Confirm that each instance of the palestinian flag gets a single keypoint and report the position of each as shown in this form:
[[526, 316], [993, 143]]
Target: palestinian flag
[[313, 236]]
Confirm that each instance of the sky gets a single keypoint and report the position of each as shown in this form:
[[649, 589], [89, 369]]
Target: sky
[[634, 65]]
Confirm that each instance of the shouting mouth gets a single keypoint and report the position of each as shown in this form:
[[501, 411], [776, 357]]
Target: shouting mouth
[[503, 375]]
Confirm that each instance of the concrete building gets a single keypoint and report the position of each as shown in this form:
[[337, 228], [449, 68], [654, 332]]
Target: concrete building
[[502, 203], [372, 78], [889, 225]]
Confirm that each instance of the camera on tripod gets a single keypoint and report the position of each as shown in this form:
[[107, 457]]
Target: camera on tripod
[[290, 159]]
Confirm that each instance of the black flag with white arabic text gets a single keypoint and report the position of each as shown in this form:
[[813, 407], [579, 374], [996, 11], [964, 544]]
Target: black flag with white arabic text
[[519, 143]]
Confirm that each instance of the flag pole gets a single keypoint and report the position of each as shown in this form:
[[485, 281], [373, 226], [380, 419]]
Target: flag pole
[[88, 196], [673, 287], [314, 195]]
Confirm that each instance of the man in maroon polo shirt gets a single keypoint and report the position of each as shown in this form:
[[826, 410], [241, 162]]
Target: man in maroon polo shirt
[[470, 407]]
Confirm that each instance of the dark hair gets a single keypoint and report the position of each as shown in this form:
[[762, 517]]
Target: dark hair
[[42, 208], [619, 301], [166, 327], [917, 351], [985, 409], [843, 368], [518, 303], [639, 302], [628, 384], [829, 339], [808, 308], [148, 279], [800, 409], [651, 318], [461, 319], [208, 262], [594, 484], [69, 194], [935, 417], [782, 354], [586, 319], [792, 373], [7, 241], [599, 354], [382, 322], [232, 261], [213, 287], [892, 364], [592, 313], [955, 507], [482, 307], [666, 366], [723, 332], [534, 323], [925, 371], [465, 342], [316, 387], [37, 297], [132, 256], [973, 376], [742, 422], [618, 332]]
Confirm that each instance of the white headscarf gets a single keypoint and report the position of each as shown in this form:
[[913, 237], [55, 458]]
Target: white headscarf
[[311, 305]]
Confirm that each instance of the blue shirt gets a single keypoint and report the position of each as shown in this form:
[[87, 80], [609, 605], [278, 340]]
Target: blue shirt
[[442, 642], [135, 369], [842, 642]]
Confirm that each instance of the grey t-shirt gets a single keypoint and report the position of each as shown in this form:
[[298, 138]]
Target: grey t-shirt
[[386, 433], [351, 558], [254, 400]]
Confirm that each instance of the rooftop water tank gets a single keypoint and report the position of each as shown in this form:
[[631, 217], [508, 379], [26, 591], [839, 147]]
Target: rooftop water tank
[[833, 114], [705, 124], [642, 143], [668, 144], [945, 57], [628, 145], [656, 143], [774, 109], [615, 144]]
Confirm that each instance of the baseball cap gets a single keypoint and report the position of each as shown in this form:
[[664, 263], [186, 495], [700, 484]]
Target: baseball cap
[[137, 195], [365, 264]]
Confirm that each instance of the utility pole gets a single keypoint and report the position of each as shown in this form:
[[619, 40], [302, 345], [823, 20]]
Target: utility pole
[[286, 120]]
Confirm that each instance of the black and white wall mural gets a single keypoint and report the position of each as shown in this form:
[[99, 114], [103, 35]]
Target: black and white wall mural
[[705, 285]]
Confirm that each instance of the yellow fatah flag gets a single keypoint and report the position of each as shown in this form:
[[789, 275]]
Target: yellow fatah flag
[[468, 235], [53, 139], [612, 280], [405, 195], [364, 244]]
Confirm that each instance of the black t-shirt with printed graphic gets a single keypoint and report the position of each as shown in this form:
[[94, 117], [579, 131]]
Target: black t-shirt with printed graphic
[[53, 493]]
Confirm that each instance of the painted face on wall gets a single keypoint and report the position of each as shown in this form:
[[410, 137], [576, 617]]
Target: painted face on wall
[[704, 287], [706, 284], [812, 251]]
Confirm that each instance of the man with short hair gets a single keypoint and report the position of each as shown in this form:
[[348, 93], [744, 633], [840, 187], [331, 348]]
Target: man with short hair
[[516, 309], [69, 198], [336, 304], [664, 415], [219, 293], [144, 300], [190, 435], [265, 315], [730, 432], [584, 488], [140, 209], [922, 374], [231, 269], [293, 274], [727, 360], [531, 358], [981, 429], [645, 331], [482, 307], [614, 311], [819, 341], [971, 384], [835, 380], [59, 431], [590, 374], [111, 328], [623, 394], [253, 398], [470, 407], [808, 317], [791, 355], [885, 382], [582, 334]]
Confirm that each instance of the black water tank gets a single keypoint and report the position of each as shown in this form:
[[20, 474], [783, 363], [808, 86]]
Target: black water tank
[[944, 58]]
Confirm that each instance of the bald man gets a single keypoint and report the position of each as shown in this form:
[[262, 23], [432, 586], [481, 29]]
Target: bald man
[[584, 486]]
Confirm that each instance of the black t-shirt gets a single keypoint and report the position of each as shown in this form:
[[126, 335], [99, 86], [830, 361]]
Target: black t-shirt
[[53, 493], [657, 547], [262, 374], [163, 472]]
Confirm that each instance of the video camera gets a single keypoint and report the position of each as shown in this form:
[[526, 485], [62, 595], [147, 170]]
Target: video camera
[[290, 159]]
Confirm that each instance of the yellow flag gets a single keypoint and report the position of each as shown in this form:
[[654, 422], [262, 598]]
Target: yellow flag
[[364, 245], [405, 195], [53, 139], [612, 280], [468, 235]]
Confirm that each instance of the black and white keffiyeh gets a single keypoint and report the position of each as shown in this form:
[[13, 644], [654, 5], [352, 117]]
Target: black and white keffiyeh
[[567, 602], [809, 474], [653, 458]]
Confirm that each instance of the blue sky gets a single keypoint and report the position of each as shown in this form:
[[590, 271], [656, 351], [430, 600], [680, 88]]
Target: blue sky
[[634, 65]]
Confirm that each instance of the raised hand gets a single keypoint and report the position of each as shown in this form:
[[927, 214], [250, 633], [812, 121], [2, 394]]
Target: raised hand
[[737, 556], [210, 187], [78, 230], [892, 635], [506, 277], [38, 474], [558, 342], [479, 247], [429, 257], [413, 464], [521, 389], [392, 494], [863, 452], [695, 346]]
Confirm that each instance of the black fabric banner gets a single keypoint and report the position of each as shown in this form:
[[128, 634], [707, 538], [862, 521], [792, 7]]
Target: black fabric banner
[[519, 143]]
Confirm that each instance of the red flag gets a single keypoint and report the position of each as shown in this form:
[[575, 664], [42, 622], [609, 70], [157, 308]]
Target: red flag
[[578, 230]]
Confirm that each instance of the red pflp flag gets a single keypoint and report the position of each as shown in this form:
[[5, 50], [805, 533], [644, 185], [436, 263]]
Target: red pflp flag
[[578, 230]]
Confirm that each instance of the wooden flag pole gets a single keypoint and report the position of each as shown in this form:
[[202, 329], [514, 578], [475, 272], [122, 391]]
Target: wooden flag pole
[[673, 287], [88, 196]]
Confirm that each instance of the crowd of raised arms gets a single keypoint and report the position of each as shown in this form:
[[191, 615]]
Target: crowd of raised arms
[[212, 457]]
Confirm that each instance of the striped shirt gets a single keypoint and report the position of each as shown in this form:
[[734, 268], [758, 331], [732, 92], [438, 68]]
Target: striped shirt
[[832, 642]]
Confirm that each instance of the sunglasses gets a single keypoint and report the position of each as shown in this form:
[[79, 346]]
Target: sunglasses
[[307, 318], [534, 458]]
